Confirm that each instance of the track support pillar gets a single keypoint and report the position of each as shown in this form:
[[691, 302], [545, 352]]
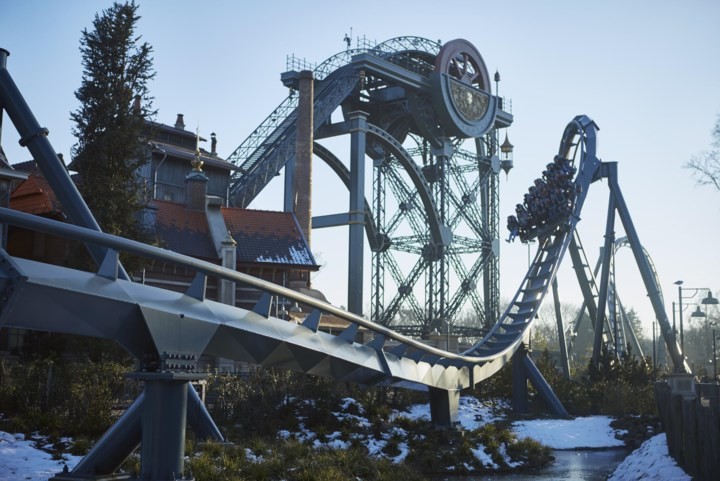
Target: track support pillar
[[519, 399], [163, 424], [444, 407], [524, 369]]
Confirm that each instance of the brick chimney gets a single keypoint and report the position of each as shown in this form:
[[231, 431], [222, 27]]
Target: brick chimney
[[302, 180]]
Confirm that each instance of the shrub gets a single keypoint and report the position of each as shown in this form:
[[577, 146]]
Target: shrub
[[73, 398], [614, 387]]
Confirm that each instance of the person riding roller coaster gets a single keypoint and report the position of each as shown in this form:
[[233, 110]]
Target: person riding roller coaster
[[548, 202]]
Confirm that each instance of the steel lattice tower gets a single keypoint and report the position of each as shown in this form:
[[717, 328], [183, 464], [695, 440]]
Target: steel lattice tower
[[425, 115]]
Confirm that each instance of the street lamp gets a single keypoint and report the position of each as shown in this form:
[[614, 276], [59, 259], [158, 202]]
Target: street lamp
[[698, 313], [708, 300]]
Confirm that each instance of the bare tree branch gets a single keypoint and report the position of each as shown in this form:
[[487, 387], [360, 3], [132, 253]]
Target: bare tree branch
[[705, 166]]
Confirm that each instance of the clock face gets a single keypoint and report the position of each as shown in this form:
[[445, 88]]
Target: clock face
[[461, 90], [470, 103]]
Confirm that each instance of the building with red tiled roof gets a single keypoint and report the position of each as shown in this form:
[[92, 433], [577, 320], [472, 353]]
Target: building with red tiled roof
[[35, 196], [188, 214], [264, 244], [268, 237], [183, 230]]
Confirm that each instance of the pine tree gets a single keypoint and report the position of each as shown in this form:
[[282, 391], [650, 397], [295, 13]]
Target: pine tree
[[114, 105]]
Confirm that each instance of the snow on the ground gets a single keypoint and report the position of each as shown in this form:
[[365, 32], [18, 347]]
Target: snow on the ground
[[20, 459], [472, 412], [650, 461], [588, 432]]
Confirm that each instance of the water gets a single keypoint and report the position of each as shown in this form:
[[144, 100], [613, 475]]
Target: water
[[585, 465]]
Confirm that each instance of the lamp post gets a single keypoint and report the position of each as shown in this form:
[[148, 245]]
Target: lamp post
[[654, 355], [714, 358], [699, 314], [707, 300]]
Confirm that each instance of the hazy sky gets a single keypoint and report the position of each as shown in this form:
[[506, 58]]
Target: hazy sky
[[647, 72]]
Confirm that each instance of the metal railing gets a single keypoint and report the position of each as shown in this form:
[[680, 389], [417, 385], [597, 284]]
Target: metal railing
[[119, 244]]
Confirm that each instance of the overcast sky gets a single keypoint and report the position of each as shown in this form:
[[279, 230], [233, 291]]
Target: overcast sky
[[648, 73]]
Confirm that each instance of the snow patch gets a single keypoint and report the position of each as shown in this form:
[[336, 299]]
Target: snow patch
[[484, 458], [650, 461], [587, 432], [252, 457]]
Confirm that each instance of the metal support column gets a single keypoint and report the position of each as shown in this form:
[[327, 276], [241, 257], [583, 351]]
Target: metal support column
[[377, 289], [438, 276], [163, 427], [520, 402], [3, 64], [289, 193], [524, 369], [358, 129], [604, 281], [543, 388], [200, 420], [561, 331], [444, 406], [113, 448], [646, 272]]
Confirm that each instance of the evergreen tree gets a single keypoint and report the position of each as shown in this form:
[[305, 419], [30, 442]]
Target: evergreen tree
[[114, 105]]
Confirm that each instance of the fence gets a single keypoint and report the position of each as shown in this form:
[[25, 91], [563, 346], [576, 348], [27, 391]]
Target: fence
[[691, 419]]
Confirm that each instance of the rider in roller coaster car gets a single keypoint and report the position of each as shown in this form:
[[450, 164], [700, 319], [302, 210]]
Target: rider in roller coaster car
[[548, 202]]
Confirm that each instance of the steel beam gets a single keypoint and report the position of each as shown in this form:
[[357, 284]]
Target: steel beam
[[358, 130], [604, 280], [646, 272], [113, 448], [543, 388], [561, 331]]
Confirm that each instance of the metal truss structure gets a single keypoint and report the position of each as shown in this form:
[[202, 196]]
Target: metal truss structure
[[618, 330], [432, 222]]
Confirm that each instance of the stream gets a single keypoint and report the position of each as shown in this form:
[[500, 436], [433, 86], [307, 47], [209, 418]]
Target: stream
[[569, 465]]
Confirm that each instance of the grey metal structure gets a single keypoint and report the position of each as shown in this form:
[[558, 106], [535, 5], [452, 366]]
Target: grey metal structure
[[408, 104], [618, 331], [600, 298], [617, 205], [168, 331]]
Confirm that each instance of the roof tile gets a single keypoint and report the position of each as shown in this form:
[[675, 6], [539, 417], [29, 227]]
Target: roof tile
[[35, 196], [184, 231], [268, 237], [263, 237]]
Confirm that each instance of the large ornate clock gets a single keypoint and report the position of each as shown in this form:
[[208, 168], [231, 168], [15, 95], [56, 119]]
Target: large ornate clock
[[461, 90]]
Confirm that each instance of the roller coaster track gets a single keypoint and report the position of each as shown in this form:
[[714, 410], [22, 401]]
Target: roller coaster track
[[153, 323], [137, 316], [587, 280], [168, 331]]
